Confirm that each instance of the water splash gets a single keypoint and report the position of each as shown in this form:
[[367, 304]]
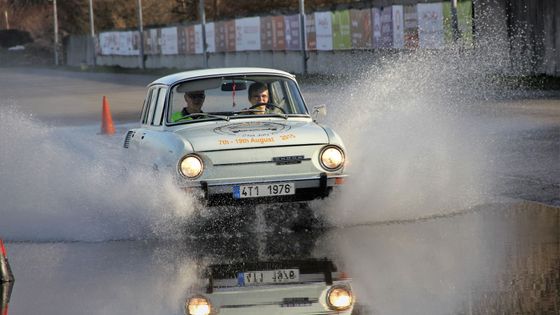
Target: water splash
[[72, 184], [417, 143]]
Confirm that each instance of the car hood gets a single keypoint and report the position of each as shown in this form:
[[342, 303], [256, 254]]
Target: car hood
[[222, 135]]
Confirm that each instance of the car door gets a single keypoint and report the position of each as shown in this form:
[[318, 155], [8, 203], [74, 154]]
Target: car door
[[151, 119]]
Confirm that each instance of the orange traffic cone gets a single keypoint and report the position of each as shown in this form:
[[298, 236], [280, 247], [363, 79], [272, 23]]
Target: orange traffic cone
[[107, 122], [5, 271]]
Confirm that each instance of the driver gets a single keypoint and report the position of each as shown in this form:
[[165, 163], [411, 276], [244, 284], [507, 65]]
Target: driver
[[258, 94], [194, 100]]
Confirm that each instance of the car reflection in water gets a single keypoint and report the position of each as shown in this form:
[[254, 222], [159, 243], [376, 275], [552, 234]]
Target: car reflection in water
[[243, 272], [273, 287]]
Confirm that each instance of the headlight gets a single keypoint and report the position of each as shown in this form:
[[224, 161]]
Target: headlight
[[191, 166], [339, 298], [198, 305], [332, 158]]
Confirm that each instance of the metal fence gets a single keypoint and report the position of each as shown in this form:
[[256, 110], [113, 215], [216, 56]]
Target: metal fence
[[525, 34]]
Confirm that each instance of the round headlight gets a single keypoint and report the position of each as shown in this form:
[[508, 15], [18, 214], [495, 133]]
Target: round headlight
[[332, 158], [191, 166], [198, 305], [339, 298]]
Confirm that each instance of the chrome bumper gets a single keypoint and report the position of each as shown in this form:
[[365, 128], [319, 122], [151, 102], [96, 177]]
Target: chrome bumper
[[306, 188]]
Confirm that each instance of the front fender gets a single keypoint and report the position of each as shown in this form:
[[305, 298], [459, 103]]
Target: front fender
[[159, 150], [334, 138]]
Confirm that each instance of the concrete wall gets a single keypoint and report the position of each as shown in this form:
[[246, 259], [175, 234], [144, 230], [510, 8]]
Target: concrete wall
[[79, 50], [516, 36]]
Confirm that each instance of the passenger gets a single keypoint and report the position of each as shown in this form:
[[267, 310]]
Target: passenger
[[258, 94], [194, 100]]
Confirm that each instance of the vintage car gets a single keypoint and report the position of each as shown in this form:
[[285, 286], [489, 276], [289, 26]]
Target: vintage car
[[272, 287], [238, 147]]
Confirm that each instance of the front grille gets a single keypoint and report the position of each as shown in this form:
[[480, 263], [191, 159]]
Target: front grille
[[263, 162]]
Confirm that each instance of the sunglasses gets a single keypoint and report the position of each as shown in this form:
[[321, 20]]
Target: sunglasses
[[197, 96]]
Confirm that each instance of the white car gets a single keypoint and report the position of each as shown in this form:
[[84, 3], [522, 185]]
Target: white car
[[237, 148], [277, 287]]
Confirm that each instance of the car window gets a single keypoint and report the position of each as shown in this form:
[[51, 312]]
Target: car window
[[146, 106], [158, 112], [229, 96], [152, 104]]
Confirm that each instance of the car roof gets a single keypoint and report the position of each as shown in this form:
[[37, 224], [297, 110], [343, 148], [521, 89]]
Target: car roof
[[193, 74]]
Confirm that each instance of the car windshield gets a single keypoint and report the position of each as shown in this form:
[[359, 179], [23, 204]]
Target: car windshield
[[232, 97]]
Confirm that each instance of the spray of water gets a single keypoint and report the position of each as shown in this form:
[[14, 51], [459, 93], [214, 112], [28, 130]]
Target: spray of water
[[416, 144], [72, 184]]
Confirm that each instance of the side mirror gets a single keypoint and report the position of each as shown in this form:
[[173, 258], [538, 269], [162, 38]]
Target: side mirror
[[319, 112]]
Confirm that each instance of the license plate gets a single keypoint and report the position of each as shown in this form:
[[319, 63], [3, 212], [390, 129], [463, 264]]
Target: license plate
[[250, 278], [263, 190]]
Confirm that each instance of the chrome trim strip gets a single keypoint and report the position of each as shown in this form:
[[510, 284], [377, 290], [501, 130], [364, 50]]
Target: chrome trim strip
[[267, 147], [284, 304], [263, 162], [265, 181], [330, 179]]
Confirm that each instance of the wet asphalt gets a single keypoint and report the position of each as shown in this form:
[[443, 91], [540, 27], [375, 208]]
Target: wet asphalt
[[500, 256]]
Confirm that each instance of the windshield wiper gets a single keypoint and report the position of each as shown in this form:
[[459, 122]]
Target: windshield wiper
[[204, 115]]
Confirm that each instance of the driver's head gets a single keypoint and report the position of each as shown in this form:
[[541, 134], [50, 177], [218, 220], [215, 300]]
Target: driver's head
[[258, 93], [194, 100]]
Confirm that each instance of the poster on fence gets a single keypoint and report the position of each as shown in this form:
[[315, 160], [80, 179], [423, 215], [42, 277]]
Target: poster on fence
[[376, 27], [248, 34], [231, 36], [398, 27], [114, 43], [278, 33], [447, 27], [169, 41], [323, 29], [105, 43], [360, 29], [273, 35], [465, 15], [341, 35], [151, 42], [117, 43], [135, 43], [464, 21], [182, 40], [191, 40], [122, 48], [387, 27], [220, 36], [198, 39], [266, 33], [410, 27], [430, 25], [310, 32], [102, 43], [210, 40], [292, 32]]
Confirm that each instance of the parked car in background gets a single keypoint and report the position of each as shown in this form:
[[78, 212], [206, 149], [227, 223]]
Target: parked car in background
[[235, 148]]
